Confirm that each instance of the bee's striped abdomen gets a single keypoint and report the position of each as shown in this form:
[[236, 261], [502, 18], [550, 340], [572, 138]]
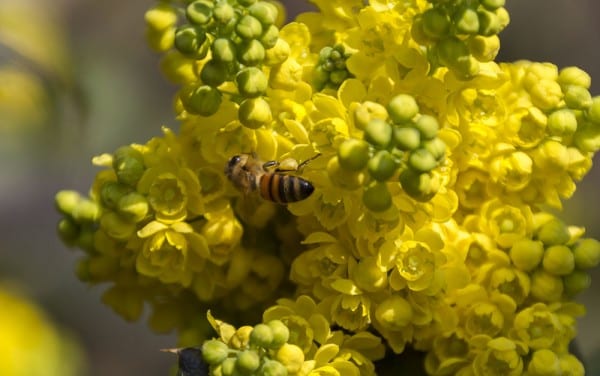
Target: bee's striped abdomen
[[282, 189]]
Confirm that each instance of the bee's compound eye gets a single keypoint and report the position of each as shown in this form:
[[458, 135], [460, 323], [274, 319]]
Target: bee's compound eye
[[234, 161]]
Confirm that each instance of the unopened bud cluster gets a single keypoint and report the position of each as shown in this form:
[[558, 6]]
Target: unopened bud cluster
[[398, 143], [331, 68], [230, 42], [259, 350], [461, 34]]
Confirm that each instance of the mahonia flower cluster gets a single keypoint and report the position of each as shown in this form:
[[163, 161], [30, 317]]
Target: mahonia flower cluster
[[433, 170]]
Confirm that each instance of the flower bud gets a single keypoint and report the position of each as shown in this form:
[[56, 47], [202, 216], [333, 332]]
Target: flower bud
[[223, 50], [492, 4], [593, 112], [394, 313], [466, 21], [378, 133], [587, 138], [198, 12], [261, 335], [369, 276], [214, 351], [576, 282], [562, 122], [574, 76], [428, 126], [436, 147], [161, 17], [436, 23], [291, 356], [377, 197], [382, 165], [553, 232], [422, 160], [278, 53], [251, 82], [450, 50], [587, 253], [483, 48], [281, 333], [527, 254], [246, 3], [111, 192], [402, 108], [544, 362], [273, 368], [465, 67], [228, 367], [241, 337], [133, 206], [191, 41], [342, 177], [116, 226], [203, 100], [86, 211], [489, 23], [338, 76], [269, 37], [577, 97], [367, 111], [251, 53], [255, 112], [546, 287], [68, 231], [214, 73], [67, 200], [353, 154], [128, 164], [223, 12], [406, 138], [248, 27], [558, 260], [263, 12], [420, 186], [247, 361]]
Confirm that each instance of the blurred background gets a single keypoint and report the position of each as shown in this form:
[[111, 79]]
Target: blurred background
[[80, 81]]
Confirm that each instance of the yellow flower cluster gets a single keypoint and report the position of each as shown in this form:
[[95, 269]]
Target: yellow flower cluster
[[426, 226], [30, 344]]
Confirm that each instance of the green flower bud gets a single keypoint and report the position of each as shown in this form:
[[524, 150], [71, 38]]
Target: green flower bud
[[247, 361], [273, 368], [203, 100], [128, 164], [574, 76], [587, 138], [394, 313], [492, 4], [223, 12], [428, 126], [261, 335], [198, 12], [111, 192], [483, 48], [278, 53], [406, 138], [576, 282], [382, 166], [436, 23], [465, 67], [344, 178], [420, 186], [281, 333], [577, 97], [86, 211], [223, 50], [116, 226], [527, 254], [489, 23], [269, 37], [587, 253], [251, 82], [251, 53], [402, 108], [377, 197], [133, 206], [255, 112], [228, 367], [558, 260], [593, 112], [214, 73], [553, 232], [368, 111], [466, 21], [562, 122], [450, 50], [161, 40], [544, 362], [353, 154], [436, 147], [422, 160], [378, 133], [214, 351], [263, 12], [67, 200], [68, 231], [191, 41], [338, 76], [320, 77], [161, 17], [246, 3], [546, 287], [248, 27]]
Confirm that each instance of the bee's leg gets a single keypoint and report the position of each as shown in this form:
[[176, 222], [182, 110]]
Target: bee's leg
[[303, 164], [270, 165]]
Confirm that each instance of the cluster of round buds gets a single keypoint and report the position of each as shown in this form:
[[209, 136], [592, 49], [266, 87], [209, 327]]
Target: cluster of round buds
[[461, 33], [232, 40], [556, 264], [259, 350], [398, 143], [331, 69], [77, 226]]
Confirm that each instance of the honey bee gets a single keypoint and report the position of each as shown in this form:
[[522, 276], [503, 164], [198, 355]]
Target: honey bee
[[249, 174]]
